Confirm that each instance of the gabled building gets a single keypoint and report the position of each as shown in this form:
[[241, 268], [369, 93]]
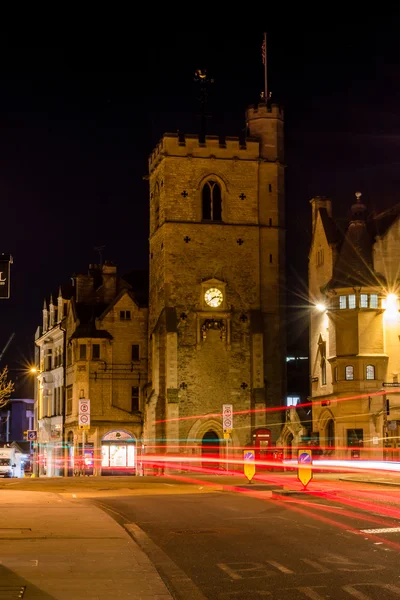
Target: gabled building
[[354, 330], [106, 363], [93, 346]]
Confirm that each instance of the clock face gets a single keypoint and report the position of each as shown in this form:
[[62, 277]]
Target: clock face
[[213, 297]]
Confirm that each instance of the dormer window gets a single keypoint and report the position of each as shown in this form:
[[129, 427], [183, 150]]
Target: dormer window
[[212, 201]]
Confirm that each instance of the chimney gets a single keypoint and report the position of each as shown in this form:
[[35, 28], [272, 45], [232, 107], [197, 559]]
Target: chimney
[[319, 202], [109, 273]]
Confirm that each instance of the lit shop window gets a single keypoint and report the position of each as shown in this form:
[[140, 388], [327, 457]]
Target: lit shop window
[[370, 372], [373, 301], [292, 400], [363, 300], [349, 373], [352, 301]]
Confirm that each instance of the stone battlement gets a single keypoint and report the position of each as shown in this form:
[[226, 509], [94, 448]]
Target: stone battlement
[[273, 111], [213, 146]]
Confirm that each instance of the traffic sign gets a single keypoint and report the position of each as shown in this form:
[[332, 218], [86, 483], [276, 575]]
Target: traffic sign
[[249, 465], [31, 435], [227, 418], [84, 413], [304, 470]]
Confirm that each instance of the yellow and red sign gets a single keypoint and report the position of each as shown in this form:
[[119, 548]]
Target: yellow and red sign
[[304, 467], [249, 464]]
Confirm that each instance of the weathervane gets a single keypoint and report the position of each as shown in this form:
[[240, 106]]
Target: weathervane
[[200, 77]]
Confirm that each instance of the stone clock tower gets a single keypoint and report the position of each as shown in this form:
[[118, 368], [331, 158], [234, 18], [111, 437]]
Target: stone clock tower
[[216, 316]]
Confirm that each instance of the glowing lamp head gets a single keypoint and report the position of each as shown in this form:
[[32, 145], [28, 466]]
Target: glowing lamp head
[[33, 370], [320, 307], [391, 307]]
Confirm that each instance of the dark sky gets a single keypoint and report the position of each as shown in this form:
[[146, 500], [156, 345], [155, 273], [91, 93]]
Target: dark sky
[[77, 122]]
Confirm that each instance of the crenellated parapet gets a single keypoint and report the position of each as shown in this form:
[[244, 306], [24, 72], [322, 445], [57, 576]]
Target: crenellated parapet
[[212, 146]]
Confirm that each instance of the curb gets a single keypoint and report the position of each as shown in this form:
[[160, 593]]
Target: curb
[[156, 561], [372, 481]]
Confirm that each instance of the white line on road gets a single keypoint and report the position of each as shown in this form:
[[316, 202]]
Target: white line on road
[[280, 567], [383, 530]]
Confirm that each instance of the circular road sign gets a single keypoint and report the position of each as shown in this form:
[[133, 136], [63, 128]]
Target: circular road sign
[[304, 457], [84, 419]]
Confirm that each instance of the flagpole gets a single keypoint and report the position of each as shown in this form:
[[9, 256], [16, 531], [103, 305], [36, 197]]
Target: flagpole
[[265, 68]]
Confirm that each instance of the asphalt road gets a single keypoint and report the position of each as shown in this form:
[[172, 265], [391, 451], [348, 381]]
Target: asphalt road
[[232, 546]]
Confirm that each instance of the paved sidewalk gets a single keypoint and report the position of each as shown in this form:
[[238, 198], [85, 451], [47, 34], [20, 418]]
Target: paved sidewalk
[[54, 548]]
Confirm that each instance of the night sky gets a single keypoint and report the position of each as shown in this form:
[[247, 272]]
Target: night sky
[[77, 125]]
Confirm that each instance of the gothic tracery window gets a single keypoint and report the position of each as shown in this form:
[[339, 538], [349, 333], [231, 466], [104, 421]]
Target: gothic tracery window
[[212, 201]]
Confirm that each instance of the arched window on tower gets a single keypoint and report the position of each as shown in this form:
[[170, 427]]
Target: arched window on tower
[[212, 201], [156, 203]]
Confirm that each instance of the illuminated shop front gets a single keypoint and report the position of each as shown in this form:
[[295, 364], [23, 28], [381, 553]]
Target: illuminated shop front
[[118, 453]]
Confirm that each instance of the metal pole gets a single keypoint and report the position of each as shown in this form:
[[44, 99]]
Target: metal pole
[[83, 453], [265, 69], [227, 452]]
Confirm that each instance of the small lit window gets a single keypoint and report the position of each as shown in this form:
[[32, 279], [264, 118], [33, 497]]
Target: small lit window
[[323, 370], [135, 398], [135, 352], [342, 301], [320, 257], [349, 372], [373, 301], [352, 301], [292, 400], [125, 315], [364, 300], [370, 372], [96, 351]]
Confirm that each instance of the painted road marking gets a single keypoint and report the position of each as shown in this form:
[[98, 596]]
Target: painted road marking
[[351, 589], [234, 570], [280, 567], [313, 592], [310, 592], [383, 530], [319, 568]]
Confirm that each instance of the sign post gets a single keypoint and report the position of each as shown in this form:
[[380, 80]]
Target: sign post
[[227, 426], [84, 425], [304, 467], [249, 465]]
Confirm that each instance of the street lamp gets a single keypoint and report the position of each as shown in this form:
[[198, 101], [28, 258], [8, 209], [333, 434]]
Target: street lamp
[[321, 307]]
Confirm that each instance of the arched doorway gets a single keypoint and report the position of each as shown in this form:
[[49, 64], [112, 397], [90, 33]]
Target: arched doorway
[[210, 450], [262, 442], [330, 435], [118, 453]]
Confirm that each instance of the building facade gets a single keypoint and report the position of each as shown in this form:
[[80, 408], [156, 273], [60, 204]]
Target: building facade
[[354, 331], [216, 304], [49, 388], [93, 347], [16, 417]]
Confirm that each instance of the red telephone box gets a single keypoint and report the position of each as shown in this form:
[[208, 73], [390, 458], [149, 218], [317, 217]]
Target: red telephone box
[[262, 442]]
